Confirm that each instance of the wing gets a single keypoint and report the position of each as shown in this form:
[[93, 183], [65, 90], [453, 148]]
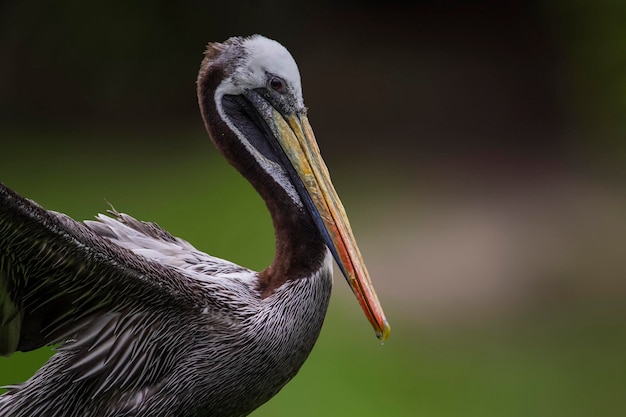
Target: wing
[[127, 298], [152, 242], [56, 273]]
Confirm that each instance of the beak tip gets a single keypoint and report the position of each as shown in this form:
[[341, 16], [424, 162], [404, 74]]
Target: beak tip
[[383, 334]]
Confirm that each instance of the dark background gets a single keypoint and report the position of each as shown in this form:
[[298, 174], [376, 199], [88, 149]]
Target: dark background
[[523, 79], [479, 148]]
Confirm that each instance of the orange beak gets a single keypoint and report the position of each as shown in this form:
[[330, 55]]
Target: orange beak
[[297, 140]]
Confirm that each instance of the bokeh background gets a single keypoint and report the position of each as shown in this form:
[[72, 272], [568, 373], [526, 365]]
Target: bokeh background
[[479, 148]]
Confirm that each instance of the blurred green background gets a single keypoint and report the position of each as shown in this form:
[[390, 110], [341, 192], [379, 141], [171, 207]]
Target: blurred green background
[[478, 147]]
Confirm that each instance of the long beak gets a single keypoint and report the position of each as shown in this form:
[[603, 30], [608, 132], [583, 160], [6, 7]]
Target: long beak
[[296, 138]]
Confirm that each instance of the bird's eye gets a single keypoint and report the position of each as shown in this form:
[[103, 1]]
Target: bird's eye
[[277, 84]]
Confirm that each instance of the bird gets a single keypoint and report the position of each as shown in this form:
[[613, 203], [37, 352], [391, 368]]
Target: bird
[[145, 324]]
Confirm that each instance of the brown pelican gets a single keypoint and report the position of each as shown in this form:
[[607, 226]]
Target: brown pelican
[[150, 326]]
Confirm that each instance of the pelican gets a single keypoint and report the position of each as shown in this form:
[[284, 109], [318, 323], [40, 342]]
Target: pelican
[[147, 325]]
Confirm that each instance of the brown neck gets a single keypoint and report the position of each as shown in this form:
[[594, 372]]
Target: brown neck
[[300, 249]]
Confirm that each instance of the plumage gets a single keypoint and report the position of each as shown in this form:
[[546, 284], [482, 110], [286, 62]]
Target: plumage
[[147, 324]]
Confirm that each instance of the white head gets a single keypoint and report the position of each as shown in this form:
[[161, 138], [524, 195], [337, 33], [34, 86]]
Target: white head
[[250, 67], [262, 58]]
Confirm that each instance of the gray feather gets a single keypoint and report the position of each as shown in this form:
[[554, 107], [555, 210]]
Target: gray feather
[[132, 327]]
